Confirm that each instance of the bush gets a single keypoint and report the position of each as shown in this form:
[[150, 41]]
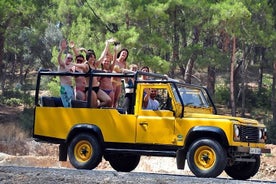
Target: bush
[[254, 99], [271, 129], [16, 97], [13, 102], [26, 118], [222, 94], [54, 86]]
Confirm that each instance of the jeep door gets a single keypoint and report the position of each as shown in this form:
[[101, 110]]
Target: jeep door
[[155, 126]]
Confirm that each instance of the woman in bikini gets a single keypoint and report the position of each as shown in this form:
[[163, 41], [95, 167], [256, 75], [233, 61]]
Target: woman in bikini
[[80, 80], [96, 92], [119, 66], [105, 81]]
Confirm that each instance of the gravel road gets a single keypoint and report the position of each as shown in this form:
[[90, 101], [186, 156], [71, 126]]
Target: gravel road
[[33, 175]]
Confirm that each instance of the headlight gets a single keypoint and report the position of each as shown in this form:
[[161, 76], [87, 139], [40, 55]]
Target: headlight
[[236, 132], [260, 133]]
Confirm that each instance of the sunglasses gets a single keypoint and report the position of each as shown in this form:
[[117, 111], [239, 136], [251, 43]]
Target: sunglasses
[[79, 60], [70, 58]]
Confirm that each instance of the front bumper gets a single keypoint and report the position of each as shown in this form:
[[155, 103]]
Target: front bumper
[[256, 151]]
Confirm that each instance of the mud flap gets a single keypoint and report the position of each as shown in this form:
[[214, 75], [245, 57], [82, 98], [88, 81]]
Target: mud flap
[[63, 152], [180, 159]]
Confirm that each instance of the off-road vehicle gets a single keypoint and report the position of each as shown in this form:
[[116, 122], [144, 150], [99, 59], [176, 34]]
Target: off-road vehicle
[[186, 126]]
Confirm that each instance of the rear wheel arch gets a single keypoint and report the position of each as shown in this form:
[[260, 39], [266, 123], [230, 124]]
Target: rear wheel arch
[[85, 128]]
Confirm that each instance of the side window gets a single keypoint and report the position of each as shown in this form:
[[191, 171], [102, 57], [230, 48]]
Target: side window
[[156, 99], [192, 97]]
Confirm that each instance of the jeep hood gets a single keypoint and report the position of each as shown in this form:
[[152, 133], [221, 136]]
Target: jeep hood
[[222, 117]]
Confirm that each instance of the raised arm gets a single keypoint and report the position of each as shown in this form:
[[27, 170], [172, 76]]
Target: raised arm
[[114, 58], [84, 66], [76, 50], [146, 98], [105, 52], [62, 47]]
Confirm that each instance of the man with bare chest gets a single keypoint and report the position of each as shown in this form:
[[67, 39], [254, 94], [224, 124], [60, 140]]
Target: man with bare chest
[[66, 87]]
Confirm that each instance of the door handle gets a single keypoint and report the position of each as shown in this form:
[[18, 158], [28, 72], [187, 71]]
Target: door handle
[[144, 125]]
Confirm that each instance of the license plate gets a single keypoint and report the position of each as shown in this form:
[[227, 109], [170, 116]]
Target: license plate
[[255, 151]]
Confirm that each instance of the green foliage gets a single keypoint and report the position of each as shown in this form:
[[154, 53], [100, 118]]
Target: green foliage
[[160, 34], [222, 94], [54, 86], [263, 98], [271, 129], [13, 102], [254, 99], [16, 97], [230, 15]]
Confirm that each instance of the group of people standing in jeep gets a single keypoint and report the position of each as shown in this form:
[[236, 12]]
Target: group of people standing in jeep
[[106, 90]]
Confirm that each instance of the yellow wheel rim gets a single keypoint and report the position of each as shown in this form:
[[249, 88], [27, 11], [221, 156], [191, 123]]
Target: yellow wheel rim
[[83, 151], [204, 157]]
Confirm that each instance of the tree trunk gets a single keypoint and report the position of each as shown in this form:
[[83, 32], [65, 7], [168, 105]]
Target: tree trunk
[[261, 68], [260, 78], [232, 92], [2, 65], [182, 71], [211, 80], [189, 68], [190, 64], [21, 69], [175, 44], [243, 87], [273, 98]]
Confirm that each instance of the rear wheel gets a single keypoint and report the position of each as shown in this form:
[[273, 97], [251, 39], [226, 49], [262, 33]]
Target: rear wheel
[[124, 162], [85, 151], [206, 158], [243, 170]]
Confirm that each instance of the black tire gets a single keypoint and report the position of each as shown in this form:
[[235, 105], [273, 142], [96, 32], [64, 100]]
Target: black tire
[[206, 158], [124, 162], [85, 151], [243, 170]]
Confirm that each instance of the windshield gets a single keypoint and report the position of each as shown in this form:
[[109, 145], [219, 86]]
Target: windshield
[[191, 96]]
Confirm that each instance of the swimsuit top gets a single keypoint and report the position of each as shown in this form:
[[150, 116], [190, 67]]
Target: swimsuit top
[[90, 69], [106, 76]]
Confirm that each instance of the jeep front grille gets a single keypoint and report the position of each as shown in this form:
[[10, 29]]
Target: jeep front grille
[[249, 134]]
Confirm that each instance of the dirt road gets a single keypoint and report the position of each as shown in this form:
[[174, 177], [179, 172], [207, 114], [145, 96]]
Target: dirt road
[[32, 175]]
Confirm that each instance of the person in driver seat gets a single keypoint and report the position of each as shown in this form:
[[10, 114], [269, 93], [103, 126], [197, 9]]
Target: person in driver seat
[[149, 101]]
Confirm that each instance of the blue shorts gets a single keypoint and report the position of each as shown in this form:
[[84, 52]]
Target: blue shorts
[[66, 94]]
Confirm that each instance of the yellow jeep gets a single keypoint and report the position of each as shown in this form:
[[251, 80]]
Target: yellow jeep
[[185, 126]]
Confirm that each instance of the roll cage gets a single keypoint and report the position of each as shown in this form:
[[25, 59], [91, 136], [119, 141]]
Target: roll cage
[[176, 85]]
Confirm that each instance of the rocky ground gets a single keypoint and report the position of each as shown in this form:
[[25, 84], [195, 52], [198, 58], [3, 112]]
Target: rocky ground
[[34, 154]]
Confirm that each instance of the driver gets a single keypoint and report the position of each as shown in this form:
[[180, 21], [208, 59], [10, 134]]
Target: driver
[[149, 101]]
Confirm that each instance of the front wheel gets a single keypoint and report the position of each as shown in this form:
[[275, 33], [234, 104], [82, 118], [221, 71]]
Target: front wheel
[[85, 151], [206, 158], [124, 162], [243, 170]]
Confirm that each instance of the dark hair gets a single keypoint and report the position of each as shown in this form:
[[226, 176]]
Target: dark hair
[[119, 53], [80, 55], [89, 53], [145, 67]]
